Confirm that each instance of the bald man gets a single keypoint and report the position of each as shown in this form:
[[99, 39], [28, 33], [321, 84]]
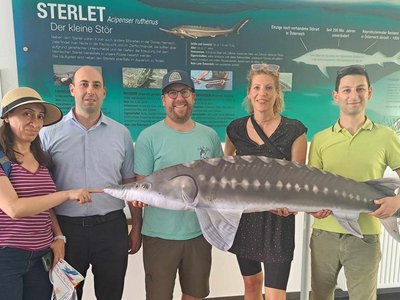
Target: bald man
[[89, 149]]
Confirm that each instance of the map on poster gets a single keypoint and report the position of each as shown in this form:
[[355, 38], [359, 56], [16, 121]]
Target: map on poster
[[136, 42]]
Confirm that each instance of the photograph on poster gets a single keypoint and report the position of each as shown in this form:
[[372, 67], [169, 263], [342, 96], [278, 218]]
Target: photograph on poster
[[212, 80], [63, 74], [142, 78], [285, 81]]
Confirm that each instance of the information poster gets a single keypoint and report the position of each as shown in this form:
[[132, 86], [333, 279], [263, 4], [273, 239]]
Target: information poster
[[136, 42]]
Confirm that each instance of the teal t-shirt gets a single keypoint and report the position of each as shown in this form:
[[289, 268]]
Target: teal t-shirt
[[158, 147]]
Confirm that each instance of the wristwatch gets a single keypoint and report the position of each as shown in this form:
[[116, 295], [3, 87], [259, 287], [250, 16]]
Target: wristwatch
[[61, 237]]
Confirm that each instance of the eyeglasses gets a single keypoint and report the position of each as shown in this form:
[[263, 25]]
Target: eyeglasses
[[353, 69], [173, 94], [269, 67]]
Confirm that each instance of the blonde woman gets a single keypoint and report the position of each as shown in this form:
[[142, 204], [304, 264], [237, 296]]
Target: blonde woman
[[265, 237]]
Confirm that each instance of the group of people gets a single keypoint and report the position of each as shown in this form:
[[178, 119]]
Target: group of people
[[64, 166]]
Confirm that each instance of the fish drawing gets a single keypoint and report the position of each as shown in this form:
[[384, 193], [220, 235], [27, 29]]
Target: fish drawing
[[220, 190], [324, 58], [212, 82], [195, 32]]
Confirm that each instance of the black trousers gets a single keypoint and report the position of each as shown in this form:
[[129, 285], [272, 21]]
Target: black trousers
[[102, 242]]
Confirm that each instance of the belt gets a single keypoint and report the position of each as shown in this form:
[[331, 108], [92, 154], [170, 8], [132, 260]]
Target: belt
[[92, 220]]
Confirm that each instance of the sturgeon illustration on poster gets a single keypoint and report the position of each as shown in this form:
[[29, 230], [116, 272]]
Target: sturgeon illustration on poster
[[136, 42]]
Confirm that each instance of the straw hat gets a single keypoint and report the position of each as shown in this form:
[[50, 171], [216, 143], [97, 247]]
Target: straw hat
[[25, 95]]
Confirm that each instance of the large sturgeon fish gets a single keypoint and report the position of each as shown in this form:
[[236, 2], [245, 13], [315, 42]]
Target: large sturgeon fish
[[219, 190]]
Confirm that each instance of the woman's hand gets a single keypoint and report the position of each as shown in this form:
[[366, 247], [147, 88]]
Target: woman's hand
[[82, 195], [58, 248]]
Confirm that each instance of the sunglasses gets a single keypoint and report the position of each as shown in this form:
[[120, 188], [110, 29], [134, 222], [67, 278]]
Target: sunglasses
[[268, 67]]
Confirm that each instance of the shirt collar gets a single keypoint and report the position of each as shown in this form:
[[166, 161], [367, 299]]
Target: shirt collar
[[71, 116], [368, 125]]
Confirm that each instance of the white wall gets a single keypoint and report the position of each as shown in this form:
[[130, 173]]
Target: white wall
[[225, 276], [8, 64]]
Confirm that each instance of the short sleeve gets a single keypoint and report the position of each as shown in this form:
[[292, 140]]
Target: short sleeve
[[128, 163], [145, 165]]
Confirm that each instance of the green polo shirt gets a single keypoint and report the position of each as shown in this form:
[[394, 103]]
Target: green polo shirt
[[362, 156]]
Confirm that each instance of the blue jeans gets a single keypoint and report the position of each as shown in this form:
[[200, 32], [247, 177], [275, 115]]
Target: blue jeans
[[22, 275]]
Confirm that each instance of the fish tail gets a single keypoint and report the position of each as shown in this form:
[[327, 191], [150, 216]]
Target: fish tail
[[239, 25], [396, 58]]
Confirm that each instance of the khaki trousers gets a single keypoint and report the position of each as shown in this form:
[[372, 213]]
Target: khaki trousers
[[359, 257]]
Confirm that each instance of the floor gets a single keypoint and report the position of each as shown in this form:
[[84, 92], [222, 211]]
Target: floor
[[382, 295]]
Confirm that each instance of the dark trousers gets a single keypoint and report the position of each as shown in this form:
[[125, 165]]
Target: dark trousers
[[22, 275], [100, 241]]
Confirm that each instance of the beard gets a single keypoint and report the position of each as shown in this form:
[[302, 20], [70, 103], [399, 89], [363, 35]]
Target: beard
[[174, 112]]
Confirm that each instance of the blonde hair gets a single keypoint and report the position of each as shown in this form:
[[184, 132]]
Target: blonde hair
[[278, 105]]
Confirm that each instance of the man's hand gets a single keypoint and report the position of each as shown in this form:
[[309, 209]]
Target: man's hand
[[136, 203], [135, 240], [321, 214], [283, 212], [388, 207]]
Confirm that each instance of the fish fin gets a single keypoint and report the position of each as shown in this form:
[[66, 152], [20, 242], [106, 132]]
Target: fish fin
[[379, 55], [348, 221], [392, 227], [188, 35], [323, 70], [239, 25], [385, 185], [219, 226]]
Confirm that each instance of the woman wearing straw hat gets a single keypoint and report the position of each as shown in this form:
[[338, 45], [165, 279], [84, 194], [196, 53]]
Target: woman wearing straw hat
[[28, 229]]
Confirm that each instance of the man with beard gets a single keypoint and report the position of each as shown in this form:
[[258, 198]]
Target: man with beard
[[172, 240]]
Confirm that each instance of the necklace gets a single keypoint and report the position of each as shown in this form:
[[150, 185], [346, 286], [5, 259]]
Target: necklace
[[266, 121]]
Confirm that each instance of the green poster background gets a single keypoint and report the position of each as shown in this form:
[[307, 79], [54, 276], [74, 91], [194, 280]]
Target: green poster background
[[136, 42]]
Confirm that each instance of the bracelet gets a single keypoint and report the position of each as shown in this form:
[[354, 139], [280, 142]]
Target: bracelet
[[61, 237]]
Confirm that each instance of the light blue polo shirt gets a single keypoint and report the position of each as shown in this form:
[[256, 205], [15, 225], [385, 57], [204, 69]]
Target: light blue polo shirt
[[89, 158], [158, 147]]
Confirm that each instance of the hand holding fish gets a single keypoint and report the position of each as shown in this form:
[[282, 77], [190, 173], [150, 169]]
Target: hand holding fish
[[283, 212], [136, 203], [388, 207], [321, 214]]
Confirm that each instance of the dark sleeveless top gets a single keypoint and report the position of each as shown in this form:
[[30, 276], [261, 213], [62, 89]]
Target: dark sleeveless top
[[264, 236]]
